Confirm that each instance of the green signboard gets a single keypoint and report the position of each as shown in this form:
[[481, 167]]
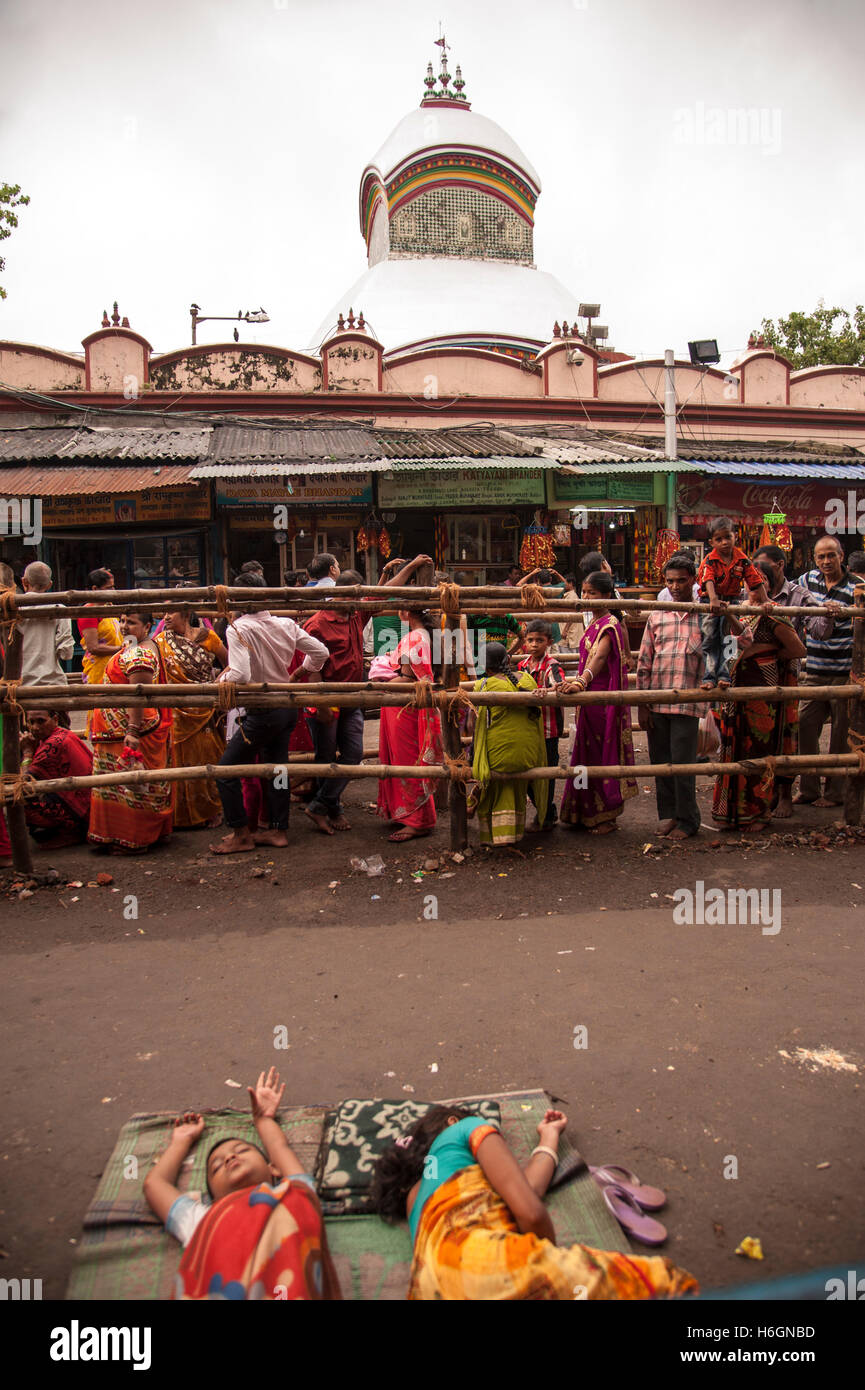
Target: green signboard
[[603, 487], [470, 487]]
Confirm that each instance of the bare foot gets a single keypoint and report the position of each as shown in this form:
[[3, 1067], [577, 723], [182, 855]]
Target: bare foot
[[277, 839], [678, 834], [801, 800], [826, 801], [238, 842], [340, 823], [723, 685], [665, 826], [602, 829], [707, 685], [320, 821], [756, 829], [406, 834], [784, 809]]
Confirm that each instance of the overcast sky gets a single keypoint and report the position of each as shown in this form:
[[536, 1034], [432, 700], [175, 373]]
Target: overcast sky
[[210, 150]]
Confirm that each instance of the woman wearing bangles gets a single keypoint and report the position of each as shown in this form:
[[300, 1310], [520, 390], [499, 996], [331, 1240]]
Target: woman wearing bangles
[[479, 1227], [603, 731], [131, 818]]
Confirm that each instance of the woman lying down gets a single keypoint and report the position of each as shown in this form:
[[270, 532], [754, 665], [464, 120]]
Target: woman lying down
[[263, 1236], [479, 1225]]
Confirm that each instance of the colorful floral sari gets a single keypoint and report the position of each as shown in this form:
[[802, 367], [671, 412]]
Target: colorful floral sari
[[410, 738], [139, 814], [602, 737], [507, 739], [468, 1247], [59, 815], [755, 729], [195, 735], [265, 1243]]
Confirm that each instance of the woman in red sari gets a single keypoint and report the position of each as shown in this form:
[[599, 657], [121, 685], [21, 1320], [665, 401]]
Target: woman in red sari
[[410, 738], [132, 818], [49, 749]]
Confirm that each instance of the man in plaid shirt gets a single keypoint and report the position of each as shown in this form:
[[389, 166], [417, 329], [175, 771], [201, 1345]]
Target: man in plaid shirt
[[549, 675], [671, 658]]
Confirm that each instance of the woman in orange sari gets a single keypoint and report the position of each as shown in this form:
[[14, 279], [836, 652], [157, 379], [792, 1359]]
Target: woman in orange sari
[[131, 818], [188, 654]]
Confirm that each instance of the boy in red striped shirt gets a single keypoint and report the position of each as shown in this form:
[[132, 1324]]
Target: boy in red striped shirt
[[721, 576]]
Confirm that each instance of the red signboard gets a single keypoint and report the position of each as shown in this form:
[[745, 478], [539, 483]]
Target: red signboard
[[698, 499]]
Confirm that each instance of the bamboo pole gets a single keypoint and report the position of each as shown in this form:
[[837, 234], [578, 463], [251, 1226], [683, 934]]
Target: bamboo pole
[[277, 696], [855, 793], [457, 802], [22, 861], [355, 771]]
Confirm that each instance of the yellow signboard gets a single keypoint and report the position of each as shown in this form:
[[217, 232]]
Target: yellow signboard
[[185, 503]]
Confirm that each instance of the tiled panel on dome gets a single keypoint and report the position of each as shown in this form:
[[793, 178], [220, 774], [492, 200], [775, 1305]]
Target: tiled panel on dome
[[460, 222]]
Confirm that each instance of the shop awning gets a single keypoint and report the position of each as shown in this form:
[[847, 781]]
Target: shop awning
[[818, 469], [532, 462], [97, 442], [287, 468], [39, 481], [630, 466]]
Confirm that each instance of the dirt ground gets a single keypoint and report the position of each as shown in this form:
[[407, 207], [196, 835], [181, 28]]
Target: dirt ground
[[691, 1075]]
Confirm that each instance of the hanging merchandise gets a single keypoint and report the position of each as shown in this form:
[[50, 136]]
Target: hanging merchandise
[[668, 543], [561, 535], [384, 543], [536, 551], [784, 538], [441, 544]]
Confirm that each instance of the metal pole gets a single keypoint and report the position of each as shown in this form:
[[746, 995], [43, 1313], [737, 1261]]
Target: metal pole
[[670, 443]]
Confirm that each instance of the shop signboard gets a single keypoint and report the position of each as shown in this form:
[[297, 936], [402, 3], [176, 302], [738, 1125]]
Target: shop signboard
[[470, 487], [698, 499], [188, 502], [625, 488], [339, 488]]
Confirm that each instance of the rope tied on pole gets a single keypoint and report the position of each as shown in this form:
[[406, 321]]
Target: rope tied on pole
[[459, 770], [533, 596], [767, 781], [449, 598], [226, 695], [857, 746], [422, 697], [8, 612], [221, 594], [447, 699], [18, 783], [8, 699]]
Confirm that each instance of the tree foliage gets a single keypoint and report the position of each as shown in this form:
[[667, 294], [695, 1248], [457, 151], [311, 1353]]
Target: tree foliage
[[11, 198], [827, 337]]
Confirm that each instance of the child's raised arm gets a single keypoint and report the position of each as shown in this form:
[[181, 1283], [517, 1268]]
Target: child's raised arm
[[266, 1097], [160, 1184]]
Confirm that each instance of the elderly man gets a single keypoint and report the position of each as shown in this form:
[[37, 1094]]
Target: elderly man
[[828, 663], [45, 641]]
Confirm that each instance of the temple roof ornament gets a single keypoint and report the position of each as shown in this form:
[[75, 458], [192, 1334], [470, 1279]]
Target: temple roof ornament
[[454, 97]]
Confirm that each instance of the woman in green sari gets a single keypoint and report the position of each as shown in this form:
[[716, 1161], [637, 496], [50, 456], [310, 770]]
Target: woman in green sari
[[508, 738]]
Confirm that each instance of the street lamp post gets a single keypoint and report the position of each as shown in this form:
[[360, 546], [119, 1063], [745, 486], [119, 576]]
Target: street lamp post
[[251, 316]]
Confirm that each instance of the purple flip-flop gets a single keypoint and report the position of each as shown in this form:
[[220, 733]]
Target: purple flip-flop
[[631, 1216], [649, 1198]]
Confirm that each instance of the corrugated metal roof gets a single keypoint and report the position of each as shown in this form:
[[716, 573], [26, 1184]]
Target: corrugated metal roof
[[474, 443], [809, 451], [280, 468], [464, 461], [82, 441], [760, 468], [39, 481], [632, 466], [231, 443]]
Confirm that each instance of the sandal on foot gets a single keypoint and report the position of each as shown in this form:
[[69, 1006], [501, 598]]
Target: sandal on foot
[[649, 1198], [632, 1218]]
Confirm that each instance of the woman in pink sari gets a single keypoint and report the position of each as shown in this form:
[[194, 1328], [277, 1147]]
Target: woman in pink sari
[[410, 737], [603, 734]]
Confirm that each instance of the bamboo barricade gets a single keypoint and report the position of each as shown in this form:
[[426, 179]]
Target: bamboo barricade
[[16, 698]]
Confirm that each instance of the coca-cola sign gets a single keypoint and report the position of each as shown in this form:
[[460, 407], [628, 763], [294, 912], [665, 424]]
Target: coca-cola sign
[[805, 504]]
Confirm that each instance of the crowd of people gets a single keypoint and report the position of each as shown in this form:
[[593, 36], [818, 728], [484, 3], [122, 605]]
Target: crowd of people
[[500, 652]]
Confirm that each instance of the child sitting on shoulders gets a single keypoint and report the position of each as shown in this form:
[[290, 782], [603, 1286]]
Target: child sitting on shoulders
[[548, 675], [262, 1236], [721, 576]]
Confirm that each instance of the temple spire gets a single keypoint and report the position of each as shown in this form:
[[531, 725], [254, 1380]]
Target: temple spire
[[449, 89]]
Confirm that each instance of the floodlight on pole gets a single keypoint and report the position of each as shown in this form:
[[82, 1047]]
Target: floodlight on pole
[[704, 351], [251, 316]]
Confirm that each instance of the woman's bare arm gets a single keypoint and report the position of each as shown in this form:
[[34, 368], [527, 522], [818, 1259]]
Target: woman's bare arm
[[507, 1178]]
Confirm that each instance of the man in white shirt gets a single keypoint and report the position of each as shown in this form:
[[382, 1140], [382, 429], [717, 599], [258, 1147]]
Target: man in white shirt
[[45, 641], [323, 571], [261, 648]]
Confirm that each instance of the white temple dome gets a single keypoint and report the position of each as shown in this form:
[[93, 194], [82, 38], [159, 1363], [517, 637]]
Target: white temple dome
[[432, 126]]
